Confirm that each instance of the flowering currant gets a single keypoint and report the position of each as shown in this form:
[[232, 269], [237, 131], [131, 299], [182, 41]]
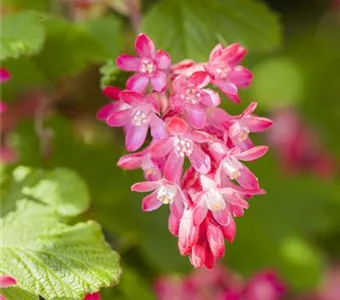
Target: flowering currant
[[214, 186]]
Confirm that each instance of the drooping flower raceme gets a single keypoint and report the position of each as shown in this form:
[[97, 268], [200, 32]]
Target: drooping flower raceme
[[180, 106]]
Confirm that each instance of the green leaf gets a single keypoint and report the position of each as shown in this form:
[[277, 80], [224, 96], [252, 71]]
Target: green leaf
[[21, 34], [60, 188], [191, 28], [71, 47], [52, 259], [18, 293]]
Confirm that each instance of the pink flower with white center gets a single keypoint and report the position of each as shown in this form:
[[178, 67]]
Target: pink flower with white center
[[150, 66], [137, 116], [223, 202], [4, 75], [231, 166], [242, 125], [181, 142], [164, 192], [93, 296], [225, 72], [5, 282], [151, 166], [190, 96]]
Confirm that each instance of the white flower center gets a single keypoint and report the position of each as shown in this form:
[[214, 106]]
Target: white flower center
[[139, 118], [239, 132], [147, 67], [222, 72], [166, 193], [232, 167], [191, 95], [214, 200], [184, 147]]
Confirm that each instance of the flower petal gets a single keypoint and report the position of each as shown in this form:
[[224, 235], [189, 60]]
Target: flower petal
[[173, 224], [210, 98], [158, 129], [229, 231], [145, 186], [130, 97], [216, 240], [195, 115], [222, 216], [230, 90], [253, 153], [173, 167], [137, 83], [4, 75], [128, 62], [93, 296], [200, 160], [162, 59], [130, 161], [177, 103], [144, 46], [161, 148], [207, 183], [240, 76], [151, 202], [105, 111], [197, 256], [112, 92], [216, 52], [7, 281], [257, 124], [119, 118], [158, 81], [247, 179], [187, 232], [200, 210], [199, 79], [234, 53], [177, 125], [135, 137]]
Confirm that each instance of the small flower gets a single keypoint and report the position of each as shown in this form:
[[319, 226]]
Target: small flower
[[137, 116], [150, 66], [5, 282], [181, 142], [225, 72], [190, 96], [242, 125]]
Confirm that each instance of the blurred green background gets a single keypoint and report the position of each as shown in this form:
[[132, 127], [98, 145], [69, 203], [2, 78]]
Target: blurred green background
[[64, 57]]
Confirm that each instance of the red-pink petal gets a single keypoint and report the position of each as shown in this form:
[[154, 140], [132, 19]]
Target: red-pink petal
[[6, 281], [222, 216], [145, 186], [144, 46], [93, 296], [162, 59], [229, 231], [130, 97], [177, 125], [135, 137], [197, 256], [104, 112], [112, 92], [158, 129], [161, 148], [173, 224], [151, 202], [230, 90], [158, 81], [253, 153], [250, 109], [128, 62], [178, 83], [4, 75], [187, 233], [240, 76], [215, 52], [199, 79], [173, 167], [130, 161], [137, 83], [195, 115], [216, 240], [247, 179], [257, 124], [198, 136], [210, 98], [200, 160], [119, 118], [207, 183], [200, 210], [234, 53], [177, 103]]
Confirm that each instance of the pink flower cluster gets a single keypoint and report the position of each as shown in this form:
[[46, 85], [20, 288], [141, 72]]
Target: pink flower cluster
[[180, 106], [220, 284]]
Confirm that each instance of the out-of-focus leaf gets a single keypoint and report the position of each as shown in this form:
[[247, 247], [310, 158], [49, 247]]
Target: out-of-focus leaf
[[41, 5], [60, 188], [191, 28], [52, 259], [18, 293], [21, 34], [277, 82]]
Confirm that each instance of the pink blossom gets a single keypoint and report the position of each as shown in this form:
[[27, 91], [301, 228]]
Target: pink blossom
[[112, 93], [4, 75], [137, 116], [190, 96], [225, 72], [181, 142], [93, 296], [150, 65], [5, 282]]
